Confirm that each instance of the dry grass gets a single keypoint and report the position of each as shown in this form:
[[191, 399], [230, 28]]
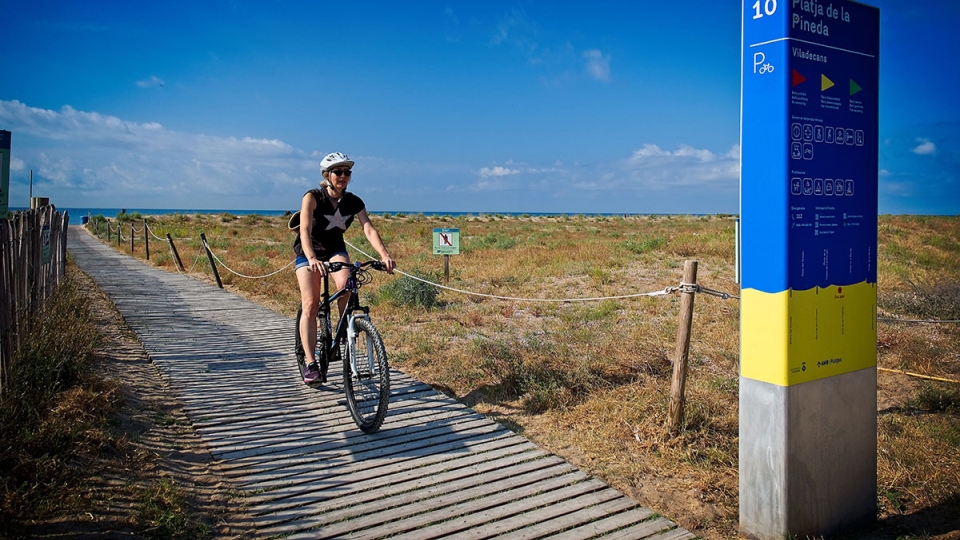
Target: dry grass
[[90, 447], [590, 380]]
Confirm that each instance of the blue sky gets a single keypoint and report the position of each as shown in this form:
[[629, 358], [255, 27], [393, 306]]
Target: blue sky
[[494, 106]]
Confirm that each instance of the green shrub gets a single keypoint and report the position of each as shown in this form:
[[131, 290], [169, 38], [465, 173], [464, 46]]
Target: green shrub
[[408, 291], [645, 244], [939, 301], [937, 398], [494, 240]]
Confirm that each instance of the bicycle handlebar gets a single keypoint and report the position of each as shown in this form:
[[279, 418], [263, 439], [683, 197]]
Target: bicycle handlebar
[[337, 266]]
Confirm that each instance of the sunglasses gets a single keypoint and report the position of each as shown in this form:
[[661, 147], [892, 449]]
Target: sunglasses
[[341, 172]]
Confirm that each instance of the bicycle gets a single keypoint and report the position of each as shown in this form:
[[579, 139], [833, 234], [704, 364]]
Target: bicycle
[[357, 343]]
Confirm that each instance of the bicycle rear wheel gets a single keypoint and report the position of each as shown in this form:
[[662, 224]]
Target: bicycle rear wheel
[[367, 389], [322, 353]]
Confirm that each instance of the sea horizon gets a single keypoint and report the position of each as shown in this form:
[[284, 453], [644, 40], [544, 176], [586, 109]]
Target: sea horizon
[[113, 212]]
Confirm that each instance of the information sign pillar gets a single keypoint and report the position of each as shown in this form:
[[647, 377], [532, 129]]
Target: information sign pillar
[[809, 140]]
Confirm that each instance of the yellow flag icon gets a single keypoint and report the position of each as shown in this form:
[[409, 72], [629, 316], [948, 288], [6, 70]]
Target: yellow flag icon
[[825, 82]]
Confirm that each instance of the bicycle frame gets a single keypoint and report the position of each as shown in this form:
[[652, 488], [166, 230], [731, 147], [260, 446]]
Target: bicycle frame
[[345, 326]]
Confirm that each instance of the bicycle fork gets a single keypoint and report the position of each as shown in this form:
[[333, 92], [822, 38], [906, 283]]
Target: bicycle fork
[[357, 370]]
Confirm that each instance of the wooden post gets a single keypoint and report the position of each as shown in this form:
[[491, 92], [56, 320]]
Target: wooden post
[[446, 269], [176, 256], [679, 382], [213, 263], [109, 232], [146, 239], [132, 233]]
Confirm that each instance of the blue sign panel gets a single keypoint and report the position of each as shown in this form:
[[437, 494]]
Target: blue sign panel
[[809, 140], [810, 74]]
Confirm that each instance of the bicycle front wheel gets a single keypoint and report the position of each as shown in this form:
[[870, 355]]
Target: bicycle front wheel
[[368, 386]]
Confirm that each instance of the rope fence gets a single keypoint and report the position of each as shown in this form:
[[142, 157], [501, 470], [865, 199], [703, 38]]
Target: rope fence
[[234, 272], [688, 288], [680, 288]]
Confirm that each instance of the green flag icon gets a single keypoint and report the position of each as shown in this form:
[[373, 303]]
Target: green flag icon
[[854, 87]]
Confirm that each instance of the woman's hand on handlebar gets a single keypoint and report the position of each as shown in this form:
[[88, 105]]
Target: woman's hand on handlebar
[[316, 265], [387, 264], [333, 267]]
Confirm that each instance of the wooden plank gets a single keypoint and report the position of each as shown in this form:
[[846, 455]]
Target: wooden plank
[[415, 509], [617, 522], [478, 498], [647, 529], [507, 517], [308, 468], [574, 516]]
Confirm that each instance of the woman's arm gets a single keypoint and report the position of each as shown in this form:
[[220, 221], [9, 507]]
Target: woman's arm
[[374, 238], [307, 206]]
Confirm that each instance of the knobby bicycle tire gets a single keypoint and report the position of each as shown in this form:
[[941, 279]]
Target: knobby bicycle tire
[[368, 393], [322, 353]]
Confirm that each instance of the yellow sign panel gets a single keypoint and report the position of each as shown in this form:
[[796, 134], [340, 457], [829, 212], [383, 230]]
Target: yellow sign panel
[[793, 337]]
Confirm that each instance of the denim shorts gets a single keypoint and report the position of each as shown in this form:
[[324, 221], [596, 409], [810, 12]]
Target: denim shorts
[[302, 261]]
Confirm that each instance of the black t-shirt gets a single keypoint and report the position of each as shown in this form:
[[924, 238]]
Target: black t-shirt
[[329, 223]]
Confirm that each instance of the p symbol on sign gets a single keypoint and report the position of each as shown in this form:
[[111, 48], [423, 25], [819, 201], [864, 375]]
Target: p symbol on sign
[[758, 59]]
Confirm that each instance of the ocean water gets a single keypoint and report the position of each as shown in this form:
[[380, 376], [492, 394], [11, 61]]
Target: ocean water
[[77, 213], [112, 212]]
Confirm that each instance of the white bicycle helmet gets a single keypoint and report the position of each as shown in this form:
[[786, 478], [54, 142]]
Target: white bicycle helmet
[[334, 159]]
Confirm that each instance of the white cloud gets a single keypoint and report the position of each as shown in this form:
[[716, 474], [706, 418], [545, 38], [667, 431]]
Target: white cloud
[[925, 147], [152, 82], [497, 171], [654, 167], [651, 177], [598, 64], [97, 160], [87, 154]]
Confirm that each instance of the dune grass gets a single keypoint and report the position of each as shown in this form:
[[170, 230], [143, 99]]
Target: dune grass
[[589, 380]]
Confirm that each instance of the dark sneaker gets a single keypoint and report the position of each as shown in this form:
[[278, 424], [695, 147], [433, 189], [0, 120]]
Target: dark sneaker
[[312, 375]]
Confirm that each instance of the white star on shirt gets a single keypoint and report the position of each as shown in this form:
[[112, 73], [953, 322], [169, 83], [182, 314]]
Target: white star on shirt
[[336, 220]]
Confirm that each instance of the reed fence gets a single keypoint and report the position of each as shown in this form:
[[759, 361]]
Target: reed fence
[[33, 256]]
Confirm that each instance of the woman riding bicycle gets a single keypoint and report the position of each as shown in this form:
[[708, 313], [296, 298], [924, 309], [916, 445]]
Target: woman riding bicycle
[[325, 214]]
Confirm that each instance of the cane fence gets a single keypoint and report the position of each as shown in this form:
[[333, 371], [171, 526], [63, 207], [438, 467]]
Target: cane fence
[[33, 248]]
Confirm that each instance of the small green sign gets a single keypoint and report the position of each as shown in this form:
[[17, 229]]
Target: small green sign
[[45, 244], [446, 241]]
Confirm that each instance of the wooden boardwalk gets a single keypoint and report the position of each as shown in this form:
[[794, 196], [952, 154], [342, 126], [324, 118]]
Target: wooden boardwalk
[[436, 468]]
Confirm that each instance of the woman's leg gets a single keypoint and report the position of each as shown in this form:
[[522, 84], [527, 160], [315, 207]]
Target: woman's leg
[[309, 282], [340, 279]]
